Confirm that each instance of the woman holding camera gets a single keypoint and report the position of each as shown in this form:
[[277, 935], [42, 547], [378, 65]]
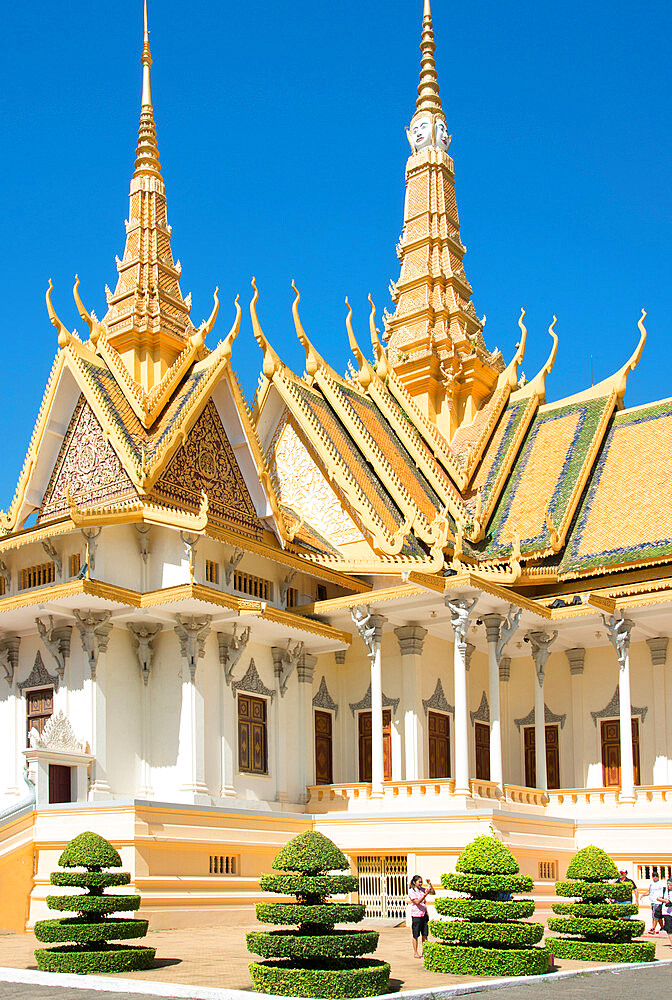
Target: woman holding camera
[[417, 894]]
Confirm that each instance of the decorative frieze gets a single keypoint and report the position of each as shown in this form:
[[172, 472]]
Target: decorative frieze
[[57, 734], [323, 699], [549, 719], [613, 707], [482, 713], [438, 702]]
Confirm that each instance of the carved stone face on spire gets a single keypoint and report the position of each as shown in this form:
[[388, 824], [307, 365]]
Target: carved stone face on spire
[[442, 139], [421, 133]]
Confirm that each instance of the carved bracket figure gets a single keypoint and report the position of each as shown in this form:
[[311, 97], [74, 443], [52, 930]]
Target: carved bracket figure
[[361, 616], [143, 643], [285, 584], [618, 630], [285, 661], [143, 531], [192, 632], [231, 649], [460, 612], [231, 564], [94, 629], [6, 575], [190, 542], [50, 549], [91, 539], [56, 641], [508, 629], [541, 643]]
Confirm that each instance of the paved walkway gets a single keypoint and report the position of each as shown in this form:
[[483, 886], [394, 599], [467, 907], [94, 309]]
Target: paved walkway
[[217, 957]]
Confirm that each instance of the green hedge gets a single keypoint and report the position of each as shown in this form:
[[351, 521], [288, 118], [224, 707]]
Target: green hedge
[[295, 913], [595, 890], [592, 864], [486, 885], [310, 853], [484, 909], [89, 850], [361, 977], [461, 961], [90, 880], [597, 929], [126, 958], [308, 885], [602, 951], [475, 932], [615, 910], [280, 944], [83, 903], [487, 856], [76, 929]]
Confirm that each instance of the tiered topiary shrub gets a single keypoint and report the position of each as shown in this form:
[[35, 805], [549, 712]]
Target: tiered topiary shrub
[[485, 935], [315, 960], [600, 934], [89, 932]]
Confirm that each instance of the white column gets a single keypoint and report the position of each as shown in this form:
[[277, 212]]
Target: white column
[[305, 671], [541, 643], [370, 628], [504, 686], [411, 639], [143, 636], [460, 611], [94, 630], [619, 630], [658, 651], [279, 729], [231, 648], [9, 660], [492, 624], [576, 657], [192, 633]]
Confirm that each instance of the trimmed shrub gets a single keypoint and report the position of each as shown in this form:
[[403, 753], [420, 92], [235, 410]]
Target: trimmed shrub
[[488, 938], [599, 932], [314, 960], [92, 929]]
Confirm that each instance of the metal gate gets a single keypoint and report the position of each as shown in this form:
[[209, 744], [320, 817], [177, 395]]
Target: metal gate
[[383, 885]]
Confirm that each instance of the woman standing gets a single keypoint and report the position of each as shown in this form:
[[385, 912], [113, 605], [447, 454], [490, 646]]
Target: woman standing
[[417, 894]]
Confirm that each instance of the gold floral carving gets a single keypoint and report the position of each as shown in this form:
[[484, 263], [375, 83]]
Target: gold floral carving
[[87, 467], [301, 486], [205, 463]]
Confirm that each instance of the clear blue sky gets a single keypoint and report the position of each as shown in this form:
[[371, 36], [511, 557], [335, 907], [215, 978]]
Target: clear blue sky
[[281, 133]]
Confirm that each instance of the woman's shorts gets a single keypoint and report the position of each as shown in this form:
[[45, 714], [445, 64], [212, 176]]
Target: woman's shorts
[[420, 926], [667, 922]]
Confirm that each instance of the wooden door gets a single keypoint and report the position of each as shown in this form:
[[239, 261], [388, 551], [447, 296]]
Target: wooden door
[[610, 732], [324, 770], [39, 707], [482, 739], [60, 783], [365, 745], [438, 726], [252, 739], [552, 757]]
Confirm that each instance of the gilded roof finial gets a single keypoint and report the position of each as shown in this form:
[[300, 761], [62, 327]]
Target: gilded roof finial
[[313, 360], [365, 374], [428, 88], [147, 151]]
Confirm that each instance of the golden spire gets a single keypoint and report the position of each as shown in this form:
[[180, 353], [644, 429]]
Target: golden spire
[[428, 88], [147, 151]]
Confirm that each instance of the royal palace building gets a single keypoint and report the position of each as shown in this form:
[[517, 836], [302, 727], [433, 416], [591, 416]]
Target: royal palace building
[[404, 606]]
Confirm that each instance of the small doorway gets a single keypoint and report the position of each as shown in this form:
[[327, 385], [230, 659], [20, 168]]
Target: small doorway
[[552, 757], [383, 885], [438, 726], [324, 766], [365, 745], [610, 733], [482, 741], [60, 783]]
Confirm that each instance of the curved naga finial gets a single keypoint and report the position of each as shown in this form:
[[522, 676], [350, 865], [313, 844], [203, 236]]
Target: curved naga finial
[[198, 339], [378, 349], [272, 362], [64, 335], [365, 374], [95, 328], [556, 543], [537, 387], [510, 374], [314, 361], [227, 346]]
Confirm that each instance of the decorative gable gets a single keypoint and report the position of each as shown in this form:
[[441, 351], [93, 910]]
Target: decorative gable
[[87, 465], [205, 463]]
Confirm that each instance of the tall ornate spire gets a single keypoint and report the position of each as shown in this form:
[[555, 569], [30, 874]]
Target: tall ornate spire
[[435, 336], [428, 88], [147, 319]]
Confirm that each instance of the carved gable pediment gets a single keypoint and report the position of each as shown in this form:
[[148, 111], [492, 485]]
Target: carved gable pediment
[[206, 463], [57, 734], [87, 465]]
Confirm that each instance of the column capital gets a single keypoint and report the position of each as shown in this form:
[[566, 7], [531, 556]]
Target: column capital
[[411, 639], [9, 656], [658, 649], [576, 656], [505, 668], [492, 622], [339, 656], [306, 668]]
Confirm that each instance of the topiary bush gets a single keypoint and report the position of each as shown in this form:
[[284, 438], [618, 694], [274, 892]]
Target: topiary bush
[[487, 938], [599, 932], [314, 960], [91, 930]]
